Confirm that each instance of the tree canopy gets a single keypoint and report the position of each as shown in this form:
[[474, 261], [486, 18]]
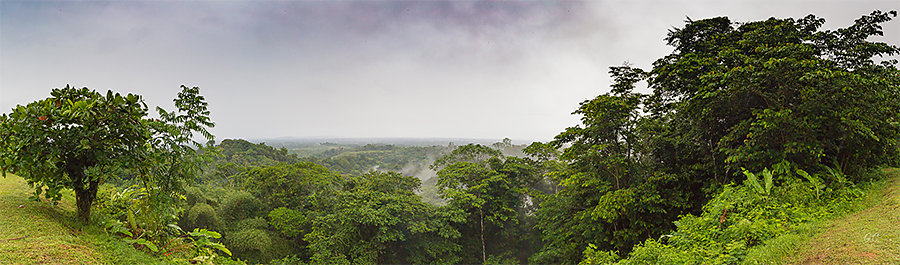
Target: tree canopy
[[730, 96], [66, 140]]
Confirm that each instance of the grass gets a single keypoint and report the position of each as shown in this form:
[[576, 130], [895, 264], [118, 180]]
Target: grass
[[869, 236], [33, 232], [797, 245]]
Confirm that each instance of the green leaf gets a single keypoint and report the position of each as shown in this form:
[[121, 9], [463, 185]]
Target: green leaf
[[220, 247], [753, 180], [204, 233], [143, 242]]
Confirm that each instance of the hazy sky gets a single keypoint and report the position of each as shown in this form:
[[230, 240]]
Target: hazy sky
[[361, 68]]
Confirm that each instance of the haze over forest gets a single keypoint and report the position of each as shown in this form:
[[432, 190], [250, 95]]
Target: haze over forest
[[360, 69]]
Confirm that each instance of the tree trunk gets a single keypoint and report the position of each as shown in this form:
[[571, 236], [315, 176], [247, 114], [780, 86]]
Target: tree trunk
[[483, 252], [84, 196]]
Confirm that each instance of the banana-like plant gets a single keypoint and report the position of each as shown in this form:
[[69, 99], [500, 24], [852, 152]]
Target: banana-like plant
[[817, 183], [753, 179]]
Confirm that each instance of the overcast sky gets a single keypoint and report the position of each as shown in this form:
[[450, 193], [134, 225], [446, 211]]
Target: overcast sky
[[466, 69]]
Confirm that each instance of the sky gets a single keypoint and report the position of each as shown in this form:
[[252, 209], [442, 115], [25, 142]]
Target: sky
[[359, 69]]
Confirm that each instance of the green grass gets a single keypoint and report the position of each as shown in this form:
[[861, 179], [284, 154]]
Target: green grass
[[39, 232], [866, 234], [869, 236]]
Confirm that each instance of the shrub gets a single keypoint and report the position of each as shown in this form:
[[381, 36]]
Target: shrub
[[250, 244], [743, 223], [252, 223], [194, 195], [201, 215], [239, 206], [290, 223]]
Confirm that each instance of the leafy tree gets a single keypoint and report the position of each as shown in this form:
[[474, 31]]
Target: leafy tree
[[288, 222], [70, 138], [607, 194], [730, 96], [491, 190], [239, 206], [754, 94], [244, 153], [174, 155], [250, 240], [54, 141], [374, 219], [201, 215], [295, 186]]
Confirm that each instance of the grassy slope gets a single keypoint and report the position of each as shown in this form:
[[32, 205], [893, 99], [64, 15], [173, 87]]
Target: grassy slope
[[869, 236], [41, 233]]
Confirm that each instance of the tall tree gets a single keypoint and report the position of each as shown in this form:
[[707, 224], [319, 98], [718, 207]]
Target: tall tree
[[730, 95], [753, 94], [491, 190]]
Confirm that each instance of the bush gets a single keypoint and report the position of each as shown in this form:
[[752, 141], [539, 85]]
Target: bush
[[593, 256], [201, 215], [288, 222], [194, 195], [252, 223], [239, 206], [251, 245], [743, 225], [108, 207]]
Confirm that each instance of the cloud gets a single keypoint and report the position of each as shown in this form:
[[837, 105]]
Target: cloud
[[477, 69]]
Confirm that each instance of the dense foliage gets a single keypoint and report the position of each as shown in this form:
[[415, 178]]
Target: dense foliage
[[244, 153], [730, 96], [746, 223], [54, 141], [492, 192], [76, 137]]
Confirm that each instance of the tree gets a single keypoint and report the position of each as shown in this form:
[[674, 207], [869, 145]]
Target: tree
[[607, 194], [54, 141], [174, 156], [753, 94], [295, 186], [491, 190], [730, 96], [70, 138], [374, 219]]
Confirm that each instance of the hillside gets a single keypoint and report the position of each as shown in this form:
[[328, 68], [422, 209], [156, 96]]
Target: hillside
[[37, 232], [869, 236]]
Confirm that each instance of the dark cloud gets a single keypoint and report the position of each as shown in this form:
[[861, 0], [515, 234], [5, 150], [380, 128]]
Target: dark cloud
[[483, 69]]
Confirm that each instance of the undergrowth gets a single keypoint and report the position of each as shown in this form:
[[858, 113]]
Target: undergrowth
[[41, 232], [761, 221]]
